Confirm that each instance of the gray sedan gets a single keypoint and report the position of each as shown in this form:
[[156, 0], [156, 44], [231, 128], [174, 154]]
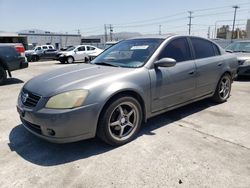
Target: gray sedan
[[128, 83]]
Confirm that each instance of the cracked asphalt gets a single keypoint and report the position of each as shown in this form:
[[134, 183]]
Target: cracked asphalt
[[199, 145]]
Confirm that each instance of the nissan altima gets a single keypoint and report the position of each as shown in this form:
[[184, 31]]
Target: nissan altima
[[124, 86]]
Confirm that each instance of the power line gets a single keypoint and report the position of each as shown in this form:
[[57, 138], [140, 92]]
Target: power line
[[150, 20]]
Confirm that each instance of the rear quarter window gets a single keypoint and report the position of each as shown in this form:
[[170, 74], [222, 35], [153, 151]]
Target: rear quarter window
[[204, 48]]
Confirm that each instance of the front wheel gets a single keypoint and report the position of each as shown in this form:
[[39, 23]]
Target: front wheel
[[70, 60], [223, 89], [121, 121]]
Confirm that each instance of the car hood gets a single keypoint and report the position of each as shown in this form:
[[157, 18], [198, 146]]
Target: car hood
[[65, 52], [242, 56], [29, 51], [70, 78]]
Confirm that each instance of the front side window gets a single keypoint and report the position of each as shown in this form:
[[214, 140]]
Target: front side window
[[202, 48], [38, 48], [82, 48], [131, 53], [45, 47], [178, 49]]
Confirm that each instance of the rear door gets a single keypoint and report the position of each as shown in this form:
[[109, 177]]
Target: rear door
[[171, 86], [209, 65]]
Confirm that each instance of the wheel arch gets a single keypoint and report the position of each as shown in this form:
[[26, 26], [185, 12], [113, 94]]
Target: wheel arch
[[127, 92]]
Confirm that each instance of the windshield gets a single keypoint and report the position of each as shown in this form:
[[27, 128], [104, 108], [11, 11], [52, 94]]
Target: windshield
[[239, 47], [71, 48], [129, 53]]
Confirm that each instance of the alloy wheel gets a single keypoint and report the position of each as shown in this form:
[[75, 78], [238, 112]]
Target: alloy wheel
[[123, 121]]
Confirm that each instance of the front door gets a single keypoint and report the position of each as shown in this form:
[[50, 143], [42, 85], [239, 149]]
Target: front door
[[171, 86], [80, 53]]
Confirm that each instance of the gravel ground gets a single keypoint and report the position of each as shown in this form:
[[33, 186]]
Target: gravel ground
[[199, 145]]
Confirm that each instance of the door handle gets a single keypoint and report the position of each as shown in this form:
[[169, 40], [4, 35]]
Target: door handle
[[219, 64], [191, 72]]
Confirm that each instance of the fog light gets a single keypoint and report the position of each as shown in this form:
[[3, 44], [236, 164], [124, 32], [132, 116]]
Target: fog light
[[51, 132]]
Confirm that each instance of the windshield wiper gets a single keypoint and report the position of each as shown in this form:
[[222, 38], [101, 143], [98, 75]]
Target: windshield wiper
[[106, 63], [243, 51]]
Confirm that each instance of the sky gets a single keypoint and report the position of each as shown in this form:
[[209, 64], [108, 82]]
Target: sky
[[144, 16]]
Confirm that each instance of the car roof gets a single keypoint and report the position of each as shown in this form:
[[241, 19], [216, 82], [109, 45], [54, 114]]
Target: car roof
[[166, 36]]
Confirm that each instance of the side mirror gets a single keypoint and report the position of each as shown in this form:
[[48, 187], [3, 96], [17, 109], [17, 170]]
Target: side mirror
[[165, 62], [75, 50]]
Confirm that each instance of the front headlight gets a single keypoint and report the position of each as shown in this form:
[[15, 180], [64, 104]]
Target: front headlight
[[67, 100], [247, 62]]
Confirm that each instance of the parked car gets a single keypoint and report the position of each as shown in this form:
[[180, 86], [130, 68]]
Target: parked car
[[11, 58], [78, 53], [41, 52], [242, 50], [124, 86]]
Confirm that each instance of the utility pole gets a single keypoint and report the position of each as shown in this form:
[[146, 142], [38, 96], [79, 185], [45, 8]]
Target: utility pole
[[190, 22], [78, 32], [105, 33], [235, 10], [159, 29], [208, 33], [111, 32]]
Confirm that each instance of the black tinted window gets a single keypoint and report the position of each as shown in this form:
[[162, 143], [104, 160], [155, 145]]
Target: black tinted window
[[216, 49], [177, 49], [202, 48], [82, 48]]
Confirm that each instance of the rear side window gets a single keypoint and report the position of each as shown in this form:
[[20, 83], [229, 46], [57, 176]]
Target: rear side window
[[177, 49], [90, 48], [203, 48]]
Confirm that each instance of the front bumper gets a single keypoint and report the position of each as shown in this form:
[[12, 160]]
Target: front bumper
[[244, 70], [62, 58], [60, 126]]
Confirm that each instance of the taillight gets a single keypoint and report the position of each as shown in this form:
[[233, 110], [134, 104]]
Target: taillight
[[20, 49]]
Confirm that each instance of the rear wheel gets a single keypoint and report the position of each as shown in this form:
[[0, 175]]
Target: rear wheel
[[120, 122], [3, 75], [70, 60], [222, 92]]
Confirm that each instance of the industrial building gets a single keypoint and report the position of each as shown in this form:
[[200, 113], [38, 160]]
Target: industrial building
[[58, 40]]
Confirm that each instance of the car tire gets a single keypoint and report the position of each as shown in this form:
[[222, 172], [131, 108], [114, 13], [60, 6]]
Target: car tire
[[223, 89], [120, 121], [35, 58], [70, 60], [3, 75], [86, 60]]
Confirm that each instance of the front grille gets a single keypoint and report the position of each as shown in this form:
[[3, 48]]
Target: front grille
[[33, 127], [29, 99]]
